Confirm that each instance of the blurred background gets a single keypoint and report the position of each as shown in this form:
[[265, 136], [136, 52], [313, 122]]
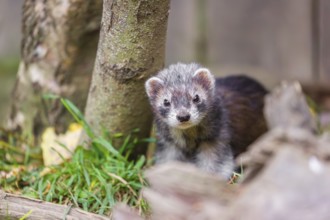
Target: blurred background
[[10, 37], [271, 40]]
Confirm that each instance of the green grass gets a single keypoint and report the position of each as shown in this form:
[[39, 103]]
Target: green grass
[[94, 179]]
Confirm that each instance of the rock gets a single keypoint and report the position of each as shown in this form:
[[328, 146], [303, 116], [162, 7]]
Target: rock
[[124, 212], [293, 185], [286, 107], [181, 191]]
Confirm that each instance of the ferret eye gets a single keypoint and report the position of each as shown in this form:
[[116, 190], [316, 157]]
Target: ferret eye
[[166, 103], [196, 99]]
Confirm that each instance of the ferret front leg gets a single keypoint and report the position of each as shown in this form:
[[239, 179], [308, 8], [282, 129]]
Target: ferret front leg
[[166, 153], [215, 158]]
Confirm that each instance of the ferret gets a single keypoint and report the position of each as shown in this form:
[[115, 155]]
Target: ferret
[[204, 120]]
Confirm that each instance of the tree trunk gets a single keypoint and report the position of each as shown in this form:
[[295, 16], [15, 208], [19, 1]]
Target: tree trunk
[[58, 51], [131, 49]]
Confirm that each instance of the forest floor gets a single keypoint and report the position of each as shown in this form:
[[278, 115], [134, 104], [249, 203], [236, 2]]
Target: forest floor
[[286, 172]]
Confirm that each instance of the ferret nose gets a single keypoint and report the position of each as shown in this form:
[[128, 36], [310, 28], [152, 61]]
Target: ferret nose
[[183, 118]]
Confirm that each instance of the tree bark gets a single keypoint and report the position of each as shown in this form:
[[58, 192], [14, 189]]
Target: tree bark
[[58, 51], [131, 49]]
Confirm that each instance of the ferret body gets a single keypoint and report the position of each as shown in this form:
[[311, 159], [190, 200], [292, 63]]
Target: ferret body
[[203, 120]]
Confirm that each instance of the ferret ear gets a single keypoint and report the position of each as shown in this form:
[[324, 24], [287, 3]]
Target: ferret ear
[[204, 77], [153, 85]]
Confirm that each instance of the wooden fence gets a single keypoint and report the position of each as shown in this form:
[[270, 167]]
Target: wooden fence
[[272, 39]]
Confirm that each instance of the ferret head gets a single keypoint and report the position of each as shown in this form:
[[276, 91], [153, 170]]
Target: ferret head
[[181, 94]]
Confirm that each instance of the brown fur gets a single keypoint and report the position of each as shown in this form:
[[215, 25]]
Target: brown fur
[[247, 123]]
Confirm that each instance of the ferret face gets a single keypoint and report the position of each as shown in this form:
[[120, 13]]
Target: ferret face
[[182, 106], [181, 99]]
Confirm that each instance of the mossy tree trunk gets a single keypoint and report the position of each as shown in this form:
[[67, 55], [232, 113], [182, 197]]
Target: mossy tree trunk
[[131, 49], [58, 51]]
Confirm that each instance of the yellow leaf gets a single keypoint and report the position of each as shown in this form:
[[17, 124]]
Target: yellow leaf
[[52, 144]]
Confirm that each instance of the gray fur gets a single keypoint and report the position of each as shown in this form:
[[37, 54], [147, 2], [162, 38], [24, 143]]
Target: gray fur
[[205, 139]]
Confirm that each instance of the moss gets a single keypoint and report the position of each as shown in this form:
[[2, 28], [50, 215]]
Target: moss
[[9, 66]]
